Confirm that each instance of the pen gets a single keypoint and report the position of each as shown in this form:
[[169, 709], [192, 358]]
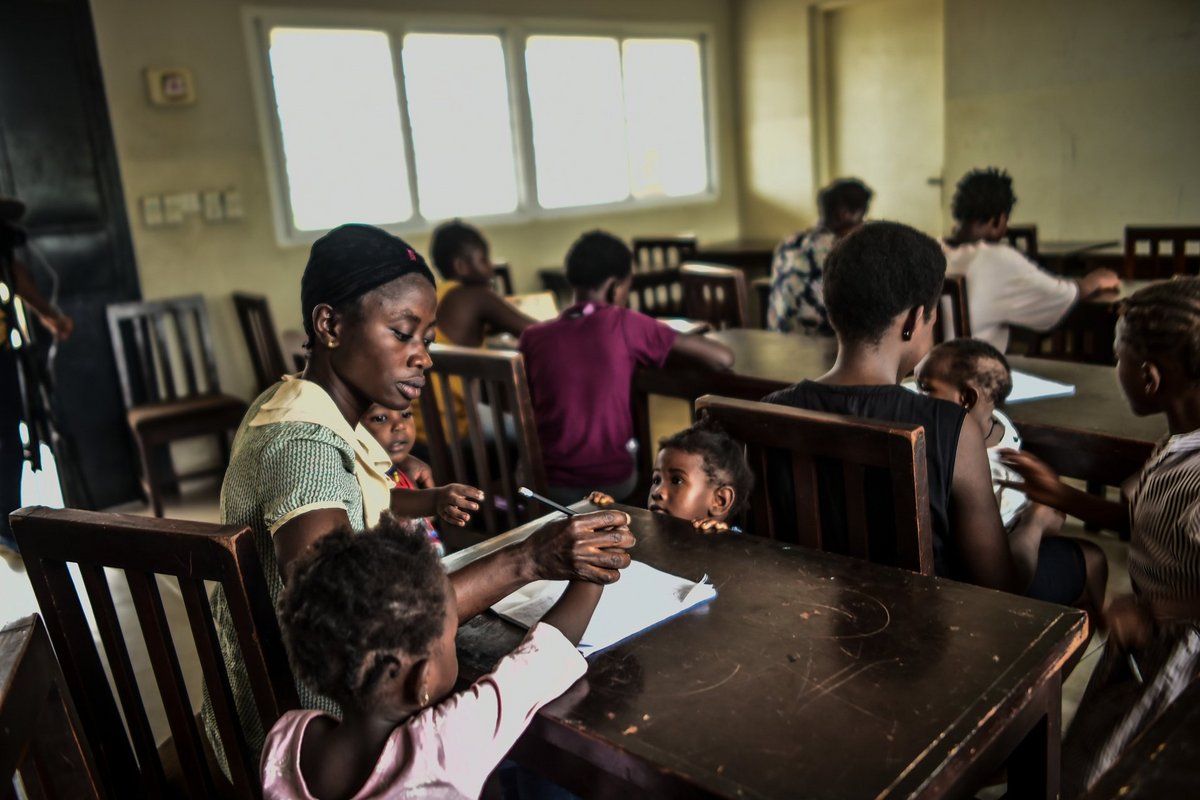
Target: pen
[[1133, 667], [525, 492]]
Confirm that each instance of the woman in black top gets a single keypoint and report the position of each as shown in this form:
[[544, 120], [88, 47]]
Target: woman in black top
[[882, 285]]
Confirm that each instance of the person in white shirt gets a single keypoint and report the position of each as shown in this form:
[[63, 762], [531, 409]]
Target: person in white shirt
[[1004, 287]]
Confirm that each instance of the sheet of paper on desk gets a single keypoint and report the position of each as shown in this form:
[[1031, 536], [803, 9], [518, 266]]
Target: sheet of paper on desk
[[1031, 387], [643, 598], [539, 305], [681, 325]]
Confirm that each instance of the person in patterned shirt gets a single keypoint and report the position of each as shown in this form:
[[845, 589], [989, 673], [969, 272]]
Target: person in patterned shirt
[[797, 270]]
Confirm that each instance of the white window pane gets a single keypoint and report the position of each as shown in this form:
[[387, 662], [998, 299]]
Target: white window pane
[[340, 120], [664, 112], [462, 132], [578, 120]]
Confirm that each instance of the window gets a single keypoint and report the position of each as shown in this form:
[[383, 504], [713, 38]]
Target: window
[[401, 127]]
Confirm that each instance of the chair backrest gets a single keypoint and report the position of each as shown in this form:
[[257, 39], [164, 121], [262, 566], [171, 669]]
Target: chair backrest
[[1024, 238], [843, 470], [1159, 261], [266, 355], [502, 278], [163, 349], [41, 738], [145, 548], [662, 252], [953, 316], [491, 383], [658, 293], [714, 294], [762, 291]]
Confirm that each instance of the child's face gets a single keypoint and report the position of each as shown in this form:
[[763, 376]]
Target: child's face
[[680, 488], [474, 266], [393, 428], [932, 381]]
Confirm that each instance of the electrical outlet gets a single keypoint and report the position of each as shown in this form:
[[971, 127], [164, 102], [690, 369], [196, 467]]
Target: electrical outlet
[[233, 204], [173, 208], [214, 209], [152, 210]]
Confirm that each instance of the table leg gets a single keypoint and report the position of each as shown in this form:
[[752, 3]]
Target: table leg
[[1033, 768]]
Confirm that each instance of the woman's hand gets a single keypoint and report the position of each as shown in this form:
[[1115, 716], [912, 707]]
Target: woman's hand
[[454, 502], [418, 472], [1130, 624], [589, 547], [1041, 483]]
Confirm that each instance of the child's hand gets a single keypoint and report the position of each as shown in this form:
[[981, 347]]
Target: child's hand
[[417, 471], [600, 499], [454, 503], [710, 525], [1041, 483], [1129, 622]]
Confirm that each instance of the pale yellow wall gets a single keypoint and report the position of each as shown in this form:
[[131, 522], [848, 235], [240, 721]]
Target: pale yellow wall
[[216, 143], [775, 117], [1094, 107], [885, 104]]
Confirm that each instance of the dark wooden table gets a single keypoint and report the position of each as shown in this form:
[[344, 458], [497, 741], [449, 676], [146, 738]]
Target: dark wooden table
[[1069, 256], [809, 675], [1092, 435]]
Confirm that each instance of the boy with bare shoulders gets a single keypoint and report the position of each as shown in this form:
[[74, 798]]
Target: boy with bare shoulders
[[468, 308]]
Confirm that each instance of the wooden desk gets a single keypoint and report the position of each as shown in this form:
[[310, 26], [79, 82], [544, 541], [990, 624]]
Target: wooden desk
[[1092, 436], [1069, 256], [1085, 334], [810, 674]]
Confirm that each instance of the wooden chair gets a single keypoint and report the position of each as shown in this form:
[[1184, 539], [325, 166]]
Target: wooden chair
[[1024, 238], [496, 378], [651, 254], [714, 294], [658, 293], [41, 738], [1157, 263], [266, 355], [143, 548], [502, 279], [953, 315], [762, 292], [164, 354], [857, 486]]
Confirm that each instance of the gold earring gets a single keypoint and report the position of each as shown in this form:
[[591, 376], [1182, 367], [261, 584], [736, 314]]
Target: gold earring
[[332, 343]]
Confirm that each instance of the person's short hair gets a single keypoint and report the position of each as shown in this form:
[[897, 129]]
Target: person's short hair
[[962, 361], [982, 195], [451, 240], [595, 257], [848, 193], [723, 456], [877, 272], [350, 261], [357, 600], [1164, 318]]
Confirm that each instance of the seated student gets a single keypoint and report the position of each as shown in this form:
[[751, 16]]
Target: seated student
[[384, 650], [581, 367], [973, 374], [797, 270], [396, 431], [882, 285], [701, 475], [1003, 286], [1153, 648]]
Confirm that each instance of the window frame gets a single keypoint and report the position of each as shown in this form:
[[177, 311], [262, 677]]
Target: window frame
[[513, 33]]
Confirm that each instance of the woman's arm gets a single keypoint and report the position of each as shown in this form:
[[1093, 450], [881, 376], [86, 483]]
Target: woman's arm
[[991, 558], [707, 351]]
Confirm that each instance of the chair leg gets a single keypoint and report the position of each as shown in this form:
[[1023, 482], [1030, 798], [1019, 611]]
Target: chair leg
[[149, 482]]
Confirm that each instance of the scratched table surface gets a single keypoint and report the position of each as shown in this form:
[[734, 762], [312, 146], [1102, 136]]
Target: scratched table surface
[[809, 675]]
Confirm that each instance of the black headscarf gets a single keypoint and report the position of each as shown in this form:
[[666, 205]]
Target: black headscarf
[[350, 261]]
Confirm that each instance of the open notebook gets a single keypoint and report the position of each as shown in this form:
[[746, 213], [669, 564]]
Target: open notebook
[[643, 598]]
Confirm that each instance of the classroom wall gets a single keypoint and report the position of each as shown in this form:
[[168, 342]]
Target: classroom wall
[[216, 143], [775, 117], [1090, 104]]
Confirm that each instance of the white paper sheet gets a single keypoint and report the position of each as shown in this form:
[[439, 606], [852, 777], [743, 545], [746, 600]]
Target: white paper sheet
[[1030, 387]]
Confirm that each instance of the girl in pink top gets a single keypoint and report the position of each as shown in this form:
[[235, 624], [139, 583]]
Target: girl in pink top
[[384, 650]]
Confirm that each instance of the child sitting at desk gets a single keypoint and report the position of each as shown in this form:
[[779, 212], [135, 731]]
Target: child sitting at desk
[[396, 432], [384, 650], [973, 374], [581, 368], [882, 285], [1153, 648], [700, 475]]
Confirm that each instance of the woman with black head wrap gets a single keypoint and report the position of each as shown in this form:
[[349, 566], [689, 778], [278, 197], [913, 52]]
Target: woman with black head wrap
[[301, 466]]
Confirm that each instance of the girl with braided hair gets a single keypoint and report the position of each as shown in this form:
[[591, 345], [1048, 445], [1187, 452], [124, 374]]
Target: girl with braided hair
[[1153, 648]]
